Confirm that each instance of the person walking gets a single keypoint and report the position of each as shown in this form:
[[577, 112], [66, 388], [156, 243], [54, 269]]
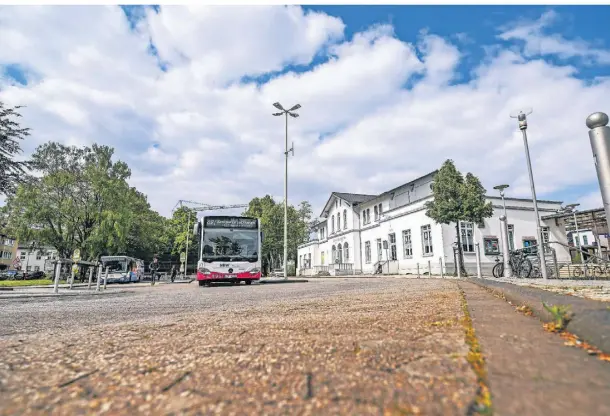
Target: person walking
[[173, 273], [154, 267]]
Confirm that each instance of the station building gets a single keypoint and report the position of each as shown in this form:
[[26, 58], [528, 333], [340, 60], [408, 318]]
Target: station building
[[356, 233]]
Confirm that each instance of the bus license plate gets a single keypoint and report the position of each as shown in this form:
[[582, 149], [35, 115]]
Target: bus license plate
[[230, 276]]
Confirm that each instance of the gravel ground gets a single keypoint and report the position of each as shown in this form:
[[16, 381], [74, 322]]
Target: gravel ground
[[336, 346], [589, 289]]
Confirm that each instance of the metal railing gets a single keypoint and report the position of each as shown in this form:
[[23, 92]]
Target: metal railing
[[593, 268]]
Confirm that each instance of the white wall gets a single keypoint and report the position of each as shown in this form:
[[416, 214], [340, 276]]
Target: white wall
[[31, 259]]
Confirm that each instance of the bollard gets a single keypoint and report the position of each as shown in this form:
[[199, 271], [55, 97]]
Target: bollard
[[57, 273], [429, 269], [478, 254], [106, 278], [71, 277], [459, 268], [418, 270], [99, 278], [440, 260], [90, 277]]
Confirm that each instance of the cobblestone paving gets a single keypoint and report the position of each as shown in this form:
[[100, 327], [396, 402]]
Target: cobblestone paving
[[337, 346]]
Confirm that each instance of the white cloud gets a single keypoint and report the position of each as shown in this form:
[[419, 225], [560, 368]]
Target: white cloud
[[591, 201], [538, 43], [196, 133]]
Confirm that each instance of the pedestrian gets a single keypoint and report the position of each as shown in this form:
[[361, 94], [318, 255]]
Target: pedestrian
[[154, 266], [173, 273]]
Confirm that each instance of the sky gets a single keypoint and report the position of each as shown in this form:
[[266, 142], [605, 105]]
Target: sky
[[387, 93]]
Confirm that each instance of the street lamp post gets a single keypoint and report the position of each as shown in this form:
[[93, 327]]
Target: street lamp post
[[599, 137], [522, 117], [188, 235], [286, 113], [504, 233]]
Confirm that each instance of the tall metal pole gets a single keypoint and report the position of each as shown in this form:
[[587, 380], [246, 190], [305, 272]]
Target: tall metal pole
[[523, 127], [286, 203], [599, 136], [503, 203], [186, 254]]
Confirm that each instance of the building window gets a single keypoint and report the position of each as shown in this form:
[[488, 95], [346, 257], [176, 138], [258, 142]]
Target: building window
[[407, 244], [511, 237], [367, 252], [36, 268], [530, 245], [338, 221], [339, 253], [380, 211], [301, 261], [585, 240], [322, 258], [376, 213], [491, 246], [345, 219], [336, 203], [29, 269], [467, 236], [333, 225], [545, 238], [392, 241], [379, 249], [38, 256], [22, 255], [368, 215], [346, 251], [426, 237], [334, 254]]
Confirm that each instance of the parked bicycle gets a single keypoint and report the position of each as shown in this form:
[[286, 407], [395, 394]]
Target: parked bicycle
[[519, 264]]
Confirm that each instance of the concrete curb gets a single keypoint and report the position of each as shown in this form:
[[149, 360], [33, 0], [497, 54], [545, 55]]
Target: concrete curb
[[275, 282], [591, 320]]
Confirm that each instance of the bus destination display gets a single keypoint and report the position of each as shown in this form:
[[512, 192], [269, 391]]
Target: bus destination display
[[230, 222]]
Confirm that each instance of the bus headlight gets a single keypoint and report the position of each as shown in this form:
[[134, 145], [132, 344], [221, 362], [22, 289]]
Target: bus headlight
[[255, 270], [203, 270]]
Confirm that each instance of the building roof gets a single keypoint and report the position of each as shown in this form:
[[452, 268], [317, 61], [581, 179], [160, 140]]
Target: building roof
[[356, 199]]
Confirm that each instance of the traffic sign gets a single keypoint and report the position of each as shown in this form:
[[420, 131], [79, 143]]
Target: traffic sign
[[76, 255], [182, 257], [16, 263]]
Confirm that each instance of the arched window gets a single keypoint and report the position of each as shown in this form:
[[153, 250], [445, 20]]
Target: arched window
[[346, 252], [333, 254], [376, 213], [339, 254], [333, 224], [345, 219], [338, 221]]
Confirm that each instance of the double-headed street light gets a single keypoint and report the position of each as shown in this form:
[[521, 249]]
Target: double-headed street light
[[286, 113], [504, 233], [521, 115]]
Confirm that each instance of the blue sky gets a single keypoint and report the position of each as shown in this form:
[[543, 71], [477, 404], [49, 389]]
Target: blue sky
[[182, 98]]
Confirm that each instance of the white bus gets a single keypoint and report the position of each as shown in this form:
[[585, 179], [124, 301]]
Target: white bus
[[122, 269], [229, 249]]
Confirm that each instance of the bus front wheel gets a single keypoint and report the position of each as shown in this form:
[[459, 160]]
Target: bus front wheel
[[202, 283]]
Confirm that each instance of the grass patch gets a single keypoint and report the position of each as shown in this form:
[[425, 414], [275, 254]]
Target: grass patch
[[481, 404], [21, 283]]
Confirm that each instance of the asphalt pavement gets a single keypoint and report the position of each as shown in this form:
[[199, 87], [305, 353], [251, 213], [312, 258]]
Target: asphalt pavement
[[330, 346]]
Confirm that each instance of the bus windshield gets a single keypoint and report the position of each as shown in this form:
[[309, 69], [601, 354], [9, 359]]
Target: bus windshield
[[227, 245], [115, 265]]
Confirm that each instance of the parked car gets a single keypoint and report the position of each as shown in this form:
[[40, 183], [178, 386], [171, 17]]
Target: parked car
[[36, 275], [277, 273]]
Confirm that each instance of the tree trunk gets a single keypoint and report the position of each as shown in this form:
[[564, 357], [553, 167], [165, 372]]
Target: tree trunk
[[460, 252]]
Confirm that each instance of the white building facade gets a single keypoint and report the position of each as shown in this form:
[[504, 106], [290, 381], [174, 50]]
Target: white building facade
[[390, 232], [35, 259]]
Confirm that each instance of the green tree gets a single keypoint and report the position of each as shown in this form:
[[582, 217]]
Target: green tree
[[271, 216], [12, 172], [455, 200], [82, 200], [180, 230]]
